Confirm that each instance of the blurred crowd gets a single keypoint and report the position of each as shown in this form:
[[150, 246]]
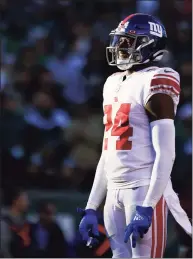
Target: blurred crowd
[[22, 238], [53, 67]]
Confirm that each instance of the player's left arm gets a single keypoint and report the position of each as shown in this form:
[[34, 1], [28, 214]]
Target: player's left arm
[[160, 109], [160, 100]]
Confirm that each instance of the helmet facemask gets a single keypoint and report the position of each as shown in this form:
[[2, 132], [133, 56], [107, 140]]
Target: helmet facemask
[[125, 50]]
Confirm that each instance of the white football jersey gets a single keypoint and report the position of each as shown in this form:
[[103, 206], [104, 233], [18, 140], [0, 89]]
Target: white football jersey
[[127, 146]]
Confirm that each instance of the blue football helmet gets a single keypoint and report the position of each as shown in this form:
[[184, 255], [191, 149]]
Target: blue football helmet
[[138, 39]]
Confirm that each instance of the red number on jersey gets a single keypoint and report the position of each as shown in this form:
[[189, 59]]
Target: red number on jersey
[[108, 125], [120, 127]]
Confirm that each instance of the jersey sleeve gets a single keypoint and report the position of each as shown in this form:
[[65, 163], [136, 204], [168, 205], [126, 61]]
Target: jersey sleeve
[[163, 80]]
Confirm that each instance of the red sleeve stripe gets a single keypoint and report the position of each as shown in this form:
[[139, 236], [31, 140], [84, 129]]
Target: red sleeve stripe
[[166, 76], [167, 82], [157, 88], [165, 87]]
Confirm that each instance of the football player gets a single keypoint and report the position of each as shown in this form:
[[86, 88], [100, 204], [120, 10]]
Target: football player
[[138, 153]]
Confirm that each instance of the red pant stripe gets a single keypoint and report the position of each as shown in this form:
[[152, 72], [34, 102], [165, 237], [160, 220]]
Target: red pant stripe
[[159, 230]]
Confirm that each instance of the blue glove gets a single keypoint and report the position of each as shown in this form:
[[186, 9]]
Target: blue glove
[[139, 224], [88, 227]]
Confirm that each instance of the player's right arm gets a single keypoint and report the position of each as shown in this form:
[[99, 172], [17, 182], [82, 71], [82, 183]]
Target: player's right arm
[[89, 223], [99, 188], [88, 226]]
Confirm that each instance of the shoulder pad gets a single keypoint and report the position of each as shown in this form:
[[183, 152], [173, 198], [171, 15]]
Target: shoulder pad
[[165, 79], [167, 72]]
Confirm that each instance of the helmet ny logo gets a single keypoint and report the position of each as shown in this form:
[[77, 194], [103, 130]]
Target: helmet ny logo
[[155, 29]]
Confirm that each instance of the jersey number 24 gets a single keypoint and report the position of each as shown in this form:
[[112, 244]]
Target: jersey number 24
[[119, 127]]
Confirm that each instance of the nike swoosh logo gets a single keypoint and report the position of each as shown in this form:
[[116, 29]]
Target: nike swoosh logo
[[168, 71]]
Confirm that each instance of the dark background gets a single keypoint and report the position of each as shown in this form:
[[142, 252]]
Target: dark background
[[53, 68]]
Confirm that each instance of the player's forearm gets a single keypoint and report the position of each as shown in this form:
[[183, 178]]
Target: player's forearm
[[99, 188], [163, 139]]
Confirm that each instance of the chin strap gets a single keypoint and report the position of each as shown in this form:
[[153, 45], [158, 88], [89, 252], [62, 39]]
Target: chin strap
[[159, 55]]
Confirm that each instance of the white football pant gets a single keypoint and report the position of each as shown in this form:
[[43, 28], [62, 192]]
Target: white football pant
[[118, 212]]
